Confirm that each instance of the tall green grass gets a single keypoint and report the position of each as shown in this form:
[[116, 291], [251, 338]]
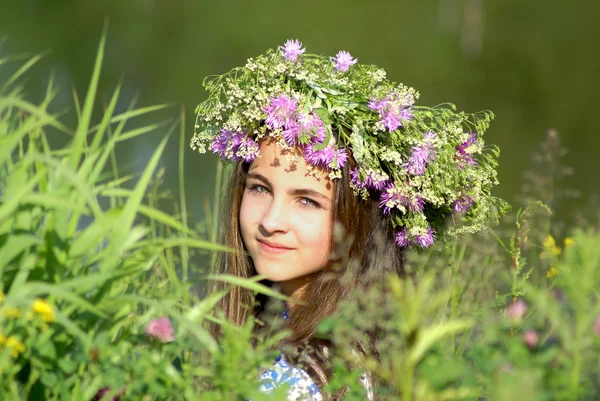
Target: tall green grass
[[88, 260]]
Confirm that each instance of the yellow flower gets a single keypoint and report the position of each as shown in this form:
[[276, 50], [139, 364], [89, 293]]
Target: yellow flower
[[1, 297], [15, 345], [552, 272], [569, 242], [2, 339], [11, 311], [44, 309], [550, 248]]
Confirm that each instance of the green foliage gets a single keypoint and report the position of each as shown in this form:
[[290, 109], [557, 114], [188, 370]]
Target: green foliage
[[88, 260]]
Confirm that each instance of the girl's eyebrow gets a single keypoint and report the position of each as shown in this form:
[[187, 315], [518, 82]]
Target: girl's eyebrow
[[293, 191]]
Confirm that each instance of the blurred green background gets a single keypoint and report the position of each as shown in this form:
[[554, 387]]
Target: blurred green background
[[533, 63]]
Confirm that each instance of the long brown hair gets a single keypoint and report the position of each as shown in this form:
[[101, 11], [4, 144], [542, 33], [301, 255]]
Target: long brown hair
[[363, 250]]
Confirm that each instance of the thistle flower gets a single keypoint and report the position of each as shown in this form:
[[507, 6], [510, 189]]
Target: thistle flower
[[462, 204], [343, 60], [426, 239], [306, 128], [530, 338], [391, 112], [292, 49], [160, 329], [328, 157], [376, 181], [244, 148], [393, 196], [463, 154], [280, 112], [402, 238], [221, 142], [517, 310]]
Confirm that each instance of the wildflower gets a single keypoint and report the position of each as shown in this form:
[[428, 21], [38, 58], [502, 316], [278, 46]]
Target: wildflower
[[280, 112], [462, 204], [343, 60], [221, 142], [517, 310], [160, 329], [1, 297], [402, 238], [2, 339], [307, 128], [552, 272], [550, 248], [569, 242], [15, 345], [329, 156], [292, 49], [530, 338], [246, 149], [597, 326], [393, 196], [375, 181], [420, 158], [392, 113], [426, 239], [44, 309], [463, 154]]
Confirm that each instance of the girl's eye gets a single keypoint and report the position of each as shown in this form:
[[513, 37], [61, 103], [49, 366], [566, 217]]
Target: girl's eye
[[310, 203], [258, 189]]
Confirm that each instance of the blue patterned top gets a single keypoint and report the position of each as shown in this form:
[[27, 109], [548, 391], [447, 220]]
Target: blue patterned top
[[301, 386]]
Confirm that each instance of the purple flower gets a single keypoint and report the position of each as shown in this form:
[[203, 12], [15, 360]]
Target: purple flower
[[160, 329], [517, 310], [427, 239], [343, 60], [292, 49], [463, 156], [393, 196], [247, 149], [391, 112], [373, 180], [462, 204], [308, 126], [402, 238], [597, 326], [530, 338], [280, 112], [220, 143], [418, 161], [328, 157]]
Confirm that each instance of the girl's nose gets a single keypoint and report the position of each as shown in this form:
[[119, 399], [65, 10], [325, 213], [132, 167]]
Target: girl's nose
[[275, 218]]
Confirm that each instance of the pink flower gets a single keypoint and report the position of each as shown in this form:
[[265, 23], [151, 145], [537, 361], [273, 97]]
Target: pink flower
[[530, 338], [597, 326], [517, 310], [160, 329]]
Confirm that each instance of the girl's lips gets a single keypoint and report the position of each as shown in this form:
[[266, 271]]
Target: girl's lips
[[272, 247]]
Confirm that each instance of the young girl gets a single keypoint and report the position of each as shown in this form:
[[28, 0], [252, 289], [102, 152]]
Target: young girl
[[337, 172]]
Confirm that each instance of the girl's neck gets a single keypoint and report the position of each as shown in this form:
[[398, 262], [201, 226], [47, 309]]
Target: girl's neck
[[294, 289]]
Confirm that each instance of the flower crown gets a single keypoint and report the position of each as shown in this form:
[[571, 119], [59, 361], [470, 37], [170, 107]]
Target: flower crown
[[423, 164]]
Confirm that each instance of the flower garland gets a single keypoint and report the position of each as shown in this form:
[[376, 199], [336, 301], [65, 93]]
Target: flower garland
[[423, 164]]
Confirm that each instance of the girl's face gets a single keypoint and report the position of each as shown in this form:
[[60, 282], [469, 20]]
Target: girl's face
[[286, 217]]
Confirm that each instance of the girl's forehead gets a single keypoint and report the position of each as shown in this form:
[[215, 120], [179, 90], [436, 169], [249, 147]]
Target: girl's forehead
[[281, 168]]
